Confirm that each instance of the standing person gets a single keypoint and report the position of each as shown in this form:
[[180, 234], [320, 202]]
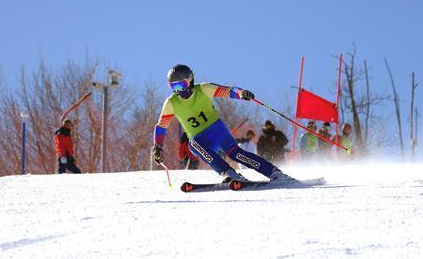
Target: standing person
[[193, 106], [346, 141], [309, 142], [64, 148], [271, 144], [188, 159], [324, 146], [247, 144]]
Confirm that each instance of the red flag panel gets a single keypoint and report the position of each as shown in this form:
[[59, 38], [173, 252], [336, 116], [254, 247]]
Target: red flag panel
[[313, 107]]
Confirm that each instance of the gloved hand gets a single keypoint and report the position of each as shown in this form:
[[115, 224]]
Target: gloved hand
[[157, 154], [246, 95], [63, 160]]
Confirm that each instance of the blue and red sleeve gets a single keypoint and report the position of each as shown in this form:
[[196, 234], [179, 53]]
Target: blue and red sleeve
[[214, 90], [159, 135], [161, 128]]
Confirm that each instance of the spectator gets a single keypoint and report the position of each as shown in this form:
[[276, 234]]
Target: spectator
[[345, 140], [309, 142], [188, 159], [247, 144], [324, 146], [64, 148], [271, 145]]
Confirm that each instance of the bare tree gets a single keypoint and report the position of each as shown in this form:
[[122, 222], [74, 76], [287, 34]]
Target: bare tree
[[366, 134], [359, 104], [352, 76], [412, 140], [10, 139], [397, 107]]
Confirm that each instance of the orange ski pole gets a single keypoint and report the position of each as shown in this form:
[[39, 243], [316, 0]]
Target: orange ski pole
[[167, 173]]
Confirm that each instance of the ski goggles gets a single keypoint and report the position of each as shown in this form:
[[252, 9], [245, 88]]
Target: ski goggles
[[180, 85]]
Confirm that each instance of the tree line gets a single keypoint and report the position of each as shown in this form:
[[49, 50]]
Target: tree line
[[44, 94]]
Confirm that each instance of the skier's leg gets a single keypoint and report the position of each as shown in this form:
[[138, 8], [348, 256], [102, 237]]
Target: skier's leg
[[201, 147], [193, 165], [73, 168], [61, 167], [250, 160], [258, 163]]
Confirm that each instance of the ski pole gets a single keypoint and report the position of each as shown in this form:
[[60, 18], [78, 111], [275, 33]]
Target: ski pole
[[301, 126], [167, 173], [239, 126]]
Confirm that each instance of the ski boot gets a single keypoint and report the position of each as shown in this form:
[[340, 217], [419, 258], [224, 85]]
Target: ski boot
[[230, 175], [278, 176]]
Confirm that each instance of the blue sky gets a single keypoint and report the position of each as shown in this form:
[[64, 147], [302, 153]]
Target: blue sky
[[252, 44]]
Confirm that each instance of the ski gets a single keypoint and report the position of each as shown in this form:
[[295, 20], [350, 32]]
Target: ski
[[251, 185], [206, 187], [266, 185]]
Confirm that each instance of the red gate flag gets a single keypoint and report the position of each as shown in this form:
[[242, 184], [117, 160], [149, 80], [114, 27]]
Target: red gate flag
[[311, 106]]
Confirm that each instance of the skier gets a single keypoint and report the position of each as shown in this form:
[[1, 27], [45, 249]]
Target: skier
[[64, 148], [193, 106], [247, 144]]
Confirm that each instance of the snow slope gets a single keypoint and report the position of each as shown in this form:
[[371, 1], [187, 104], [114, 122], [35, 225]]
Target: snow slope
[[364, 211]]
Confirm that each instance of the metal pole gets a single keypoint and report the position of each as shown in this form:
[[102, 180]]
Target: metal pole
[[113, 84], [23, 145], [104, 130], [298, 97], [338, 95]]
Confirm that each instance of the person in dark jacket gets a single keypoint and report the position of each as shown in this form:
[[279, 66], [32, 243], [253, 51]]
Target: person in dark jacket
[[188, 159], [64, 148], [271, 145]]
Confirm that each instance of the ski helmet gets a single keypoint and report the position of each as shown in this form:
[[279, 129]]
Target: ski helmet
[[179, 77], [180, 72]]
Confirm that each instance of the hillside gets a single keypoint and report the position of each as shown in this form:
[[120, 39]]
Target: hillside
[[364, 211]]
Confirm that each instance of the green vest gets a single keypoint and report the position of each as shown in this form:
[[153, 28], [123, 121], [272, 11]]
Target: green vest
[[196, 113], [346, 142], [312, 143]]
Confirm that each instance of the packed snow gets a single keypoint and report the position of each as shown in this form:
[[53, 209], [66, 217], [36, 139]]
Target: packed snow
[[363, 211]]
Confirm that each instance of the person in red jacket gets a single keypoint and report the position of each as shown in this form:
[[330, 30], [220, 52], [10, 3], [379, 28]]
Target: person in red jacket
[[64, 148], [188, 159]]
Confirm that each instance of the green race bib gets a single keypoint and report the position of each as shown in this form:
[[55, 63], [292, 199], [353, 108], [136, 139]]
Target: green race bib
[[196, 113]]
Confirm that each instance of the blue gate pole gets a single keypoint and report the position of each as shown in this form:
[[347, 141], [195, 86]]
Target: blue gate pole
[[23, 145], [23, 116]]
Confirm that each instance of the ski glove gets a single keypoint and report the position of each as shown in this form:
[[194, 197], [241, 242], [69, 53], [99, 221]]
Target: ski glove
[[157, 154], [246, 95], [63, 160]]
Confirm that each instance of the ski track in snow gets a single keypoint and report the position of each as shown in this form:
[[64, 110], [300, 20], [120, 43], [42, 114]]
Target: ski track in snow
[[363, 211]]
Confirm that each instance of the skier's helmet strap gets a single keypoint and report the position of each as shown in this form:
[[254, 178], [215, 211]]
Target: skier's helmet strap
[[179, 73]]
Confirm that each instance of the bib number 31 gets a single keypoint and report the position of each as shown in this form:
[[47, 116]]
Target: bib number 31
[[195, 123]]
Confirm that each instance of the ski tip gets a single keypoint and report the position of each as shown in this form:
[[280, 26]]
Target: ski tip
[[186, 187]]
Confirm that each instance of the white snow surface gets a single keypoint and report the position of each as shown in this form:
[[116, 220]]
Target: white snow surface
[[363, 211]]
